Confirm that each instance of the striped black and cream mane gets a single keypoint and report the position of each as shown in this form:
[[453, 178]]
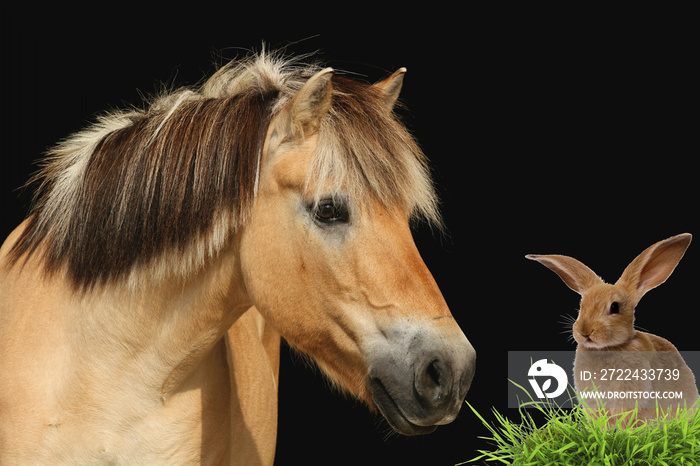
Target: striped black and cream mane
[[163, 188]]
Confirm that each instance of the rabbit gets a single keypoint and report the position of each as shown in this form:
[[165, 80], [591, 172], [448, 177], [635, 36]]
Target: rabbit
[[608, 345]]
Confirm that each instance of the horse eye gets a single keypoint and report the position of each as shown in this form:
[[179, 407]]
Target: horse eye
[[328, 212], [614, 308]]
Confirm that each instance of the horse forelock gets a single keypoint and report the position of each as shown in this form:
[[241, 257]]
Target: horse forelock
[[365, 149], [165, 186]]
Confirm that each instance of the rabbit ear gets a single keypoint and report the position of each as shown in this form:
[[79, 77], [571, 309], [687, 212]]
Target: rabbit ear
[[575, 274], [653, 266]]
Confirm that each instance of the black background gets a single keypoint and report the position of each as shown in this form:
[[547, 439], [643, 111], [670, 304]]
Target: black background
[[549, 131]]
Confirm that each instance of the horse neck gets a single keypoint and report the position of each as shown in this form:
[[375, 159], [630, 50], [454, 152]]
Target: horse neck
[[171, 325]]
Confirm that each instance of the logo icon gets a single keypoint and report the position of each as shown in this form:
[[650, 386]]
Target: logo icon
[[542, 368]]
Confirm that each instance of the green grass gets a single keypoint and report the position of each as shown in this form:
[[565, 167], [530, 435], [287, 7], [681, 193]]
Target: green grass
[[568, 437]]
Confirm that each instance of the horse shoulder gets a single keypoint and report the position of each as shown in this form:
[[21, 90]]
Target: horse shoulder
[[63, 403], [34, 360]]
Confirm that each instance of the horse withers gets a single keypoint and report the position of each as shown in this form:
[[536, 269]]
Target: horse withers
[[143, 300]]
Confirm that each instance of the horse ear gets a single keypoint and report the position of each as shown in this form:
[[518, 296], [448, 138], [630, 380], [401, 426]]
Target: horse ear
[[302, 115], [654, 265], [391, 87], [575, 274], [312, 102]]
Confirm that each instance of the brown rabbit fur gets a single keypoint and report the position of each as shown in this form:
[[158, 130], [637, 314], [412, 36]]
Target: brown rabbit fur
[[605, 327]]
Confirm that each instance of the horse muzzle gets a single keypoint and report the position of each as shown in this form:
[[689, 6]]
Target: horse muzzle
[[419, 378]]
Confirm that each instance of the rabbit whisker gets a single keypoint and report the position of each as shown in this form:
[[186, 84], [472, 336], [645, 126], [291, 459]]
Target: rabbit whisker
[[568, 321]]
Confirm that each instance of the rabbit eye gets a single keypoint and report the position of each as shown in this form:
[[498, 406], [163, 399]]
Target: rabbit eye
[[614, 308]]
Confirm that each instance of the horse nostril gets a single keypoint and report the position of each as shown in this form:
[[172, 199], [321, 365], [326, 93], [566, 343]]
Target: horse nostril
[[434, 373], [433, 384]]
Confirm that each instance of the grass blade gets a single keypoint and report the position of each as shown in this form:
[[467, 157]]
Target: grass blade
[[569, 436]]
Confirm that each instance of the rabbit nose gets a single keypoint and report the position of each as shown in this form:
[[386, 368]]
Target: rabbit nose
[[584, 330]]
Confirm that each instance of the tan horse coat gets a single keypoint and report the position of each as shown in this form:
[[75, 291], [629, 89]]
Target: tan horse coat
[[127, 328]]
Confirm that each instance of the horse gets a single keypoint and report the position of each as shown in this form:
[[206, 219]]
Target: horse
[[171, 247]]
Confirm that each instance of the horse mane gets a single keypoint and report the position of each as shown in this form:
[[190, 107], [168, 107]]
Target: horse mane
[[165, 186]]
